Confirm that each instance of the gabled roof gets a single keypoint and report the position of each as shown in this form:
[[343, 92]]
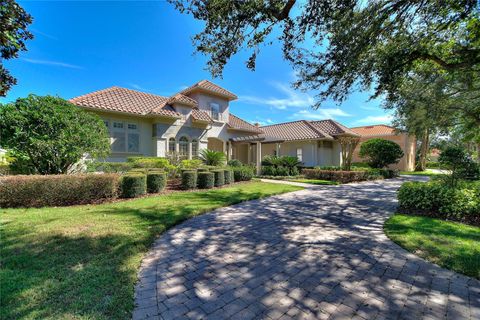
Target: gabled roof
[[211, 87], [375, 130], [201, 116], [332, 127], [236, 123], [182, 99], [126, 100], [295, 130]]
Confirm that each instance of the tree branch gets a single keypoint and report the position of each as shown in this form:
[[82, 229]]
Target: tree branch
[[282, 15]]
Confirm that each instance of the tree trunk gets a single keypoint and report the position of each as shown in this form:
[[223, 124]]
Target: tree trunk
[[422, 161], [478, 152]]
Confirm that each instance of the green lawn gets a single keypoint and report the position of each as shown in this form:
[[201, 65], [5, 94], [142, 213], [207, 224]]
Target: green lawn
[[451, 245], [81, 262], [421, 173], [315, 181]]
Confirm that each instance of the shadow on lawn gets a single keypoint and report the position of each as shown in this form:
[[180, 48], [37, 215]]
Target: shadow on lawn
[[61, 276]]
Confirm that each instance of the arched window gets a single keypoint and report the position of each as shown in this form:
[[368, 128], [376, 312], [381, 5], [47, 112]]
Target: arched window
[[171, 145], [194, 148], [183, 146]]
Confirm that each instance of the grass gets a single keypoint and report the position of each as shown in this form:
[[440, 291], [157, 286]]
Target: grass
[[421, 173], [316, 181], [81, 262], [452, 245]]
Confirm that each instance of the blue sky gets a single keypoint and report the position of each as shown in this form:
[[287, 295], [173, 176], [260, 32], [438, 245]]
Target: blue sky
[[80, 47]]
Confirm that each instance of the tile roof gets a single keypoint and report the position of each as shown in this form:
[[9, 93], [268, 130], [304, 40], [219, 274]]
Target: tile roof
[[211, 87], [332, 127], [376, 130], [126, 100], [236, 123], [201, 115], [182, 99], [295, 130]]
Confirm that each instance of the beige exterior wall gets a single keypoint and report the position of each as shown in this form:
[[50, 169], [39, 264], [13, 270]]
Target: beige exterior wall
[[406, 142]]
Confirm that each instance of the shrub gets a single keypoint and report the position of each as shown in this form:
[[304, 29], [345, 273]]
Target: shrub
[[380, 152], [156, 181], [4, 169], [109, 167], [360, 165], [234, 163], [191, 164], [342, 176], [149, 162], [134, 185], [228, 176], [206, 180], [219, 177], [461, 165], [57, 190], [189, 180], [283, 171], [202, 170], [433, 165], [63, 133], [243, 173], [269, 170], [437, 199], [212, 158]]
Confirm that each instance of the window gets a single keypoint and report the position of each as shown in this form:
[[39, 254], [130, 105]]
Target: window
[[194, 148], [171, 145], [107, 124], [125, 138], [215, 108], [183, 146], [299, 154]]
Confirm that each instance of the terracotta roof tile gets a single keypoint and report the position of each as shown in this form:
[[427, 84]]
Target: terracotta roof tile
[[376, 130], [200, 115], [235, 122], [182, 99], [211, 87], [296, 130], [332, 127], [126, 100]]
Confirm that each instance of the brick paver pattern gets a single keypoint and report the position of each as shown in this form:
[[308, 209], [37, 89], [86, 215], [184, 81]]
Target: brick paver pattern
[[319, 253]]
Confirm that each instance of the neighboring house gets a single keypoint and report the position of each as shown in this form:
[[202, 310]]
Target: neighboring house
[[199, 118], [407, 143]]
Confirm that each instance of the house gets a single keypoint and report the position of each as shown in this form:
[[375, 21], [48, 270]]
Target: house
[[407, 142], [199, 117]]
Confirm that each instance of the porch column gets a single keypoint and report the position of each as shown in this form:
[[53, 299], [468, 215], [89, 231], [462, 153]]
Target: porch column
[[259, 158], [230, 150], [249, 157], [190, 150], [224, 146], [277, 149]]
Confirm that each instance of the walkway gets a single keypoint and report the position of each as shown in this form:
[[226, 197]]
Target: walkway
[[318, 253]]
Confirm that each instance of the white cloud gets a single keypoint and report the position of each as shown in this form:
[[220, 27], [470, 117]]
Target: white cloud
[[320, 114], [137, 87], [46, 35], [52, 63], [292, 98], [369, 108], [384, 119], [261, 121]]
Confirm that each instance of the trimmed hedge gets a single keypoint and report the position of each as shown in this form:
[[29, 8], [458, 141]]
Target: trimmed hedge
[[189, 180], [243, 173], [57, 190], [228, 174], [134, 185], [219, 177], [148, 162], [437, 199], [206, 180], [202, 170], [349, 176], [109, 167], [156, 181]]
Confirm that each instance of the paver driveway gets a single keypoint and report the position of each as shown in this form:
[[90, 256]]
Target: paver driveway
[[318, 253]]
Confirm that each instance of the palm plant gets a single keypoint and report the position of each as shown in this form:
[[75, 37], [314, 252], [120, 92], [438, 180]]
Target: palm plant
[[212, 157]]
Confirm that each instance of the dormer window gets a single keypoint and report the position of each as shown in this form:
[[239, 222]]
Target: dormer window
[[215, 110]]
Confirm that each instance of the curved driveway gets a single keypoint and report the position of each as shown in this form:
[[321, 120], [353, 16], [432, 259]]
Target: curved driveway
[[318, 253]]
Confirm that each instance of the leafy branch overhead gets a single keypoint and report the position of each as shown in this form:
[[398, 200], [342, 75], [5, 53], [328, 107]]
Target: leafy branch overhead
[[372, 43]]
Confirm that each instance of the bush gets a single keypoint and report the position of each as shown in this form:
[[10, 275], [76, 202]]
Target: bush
[[212, 158], [243, 173], [219, 177], [342, 176], [437, 199], [63, 134], [269, 170], [461, 165], [206, 180], [149, 162], [191, 164], [234, 163], [189, 180], [4, 169], [280, 166], [134, 185], [433, 165], [57, 190], [109, 167], [156, 181], [380, 152], [228, 176]]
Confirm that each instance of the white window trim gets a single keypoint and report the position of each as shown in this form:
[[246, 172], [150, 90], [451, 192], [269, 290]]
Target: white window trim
[[300, 154], [126, 131]]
